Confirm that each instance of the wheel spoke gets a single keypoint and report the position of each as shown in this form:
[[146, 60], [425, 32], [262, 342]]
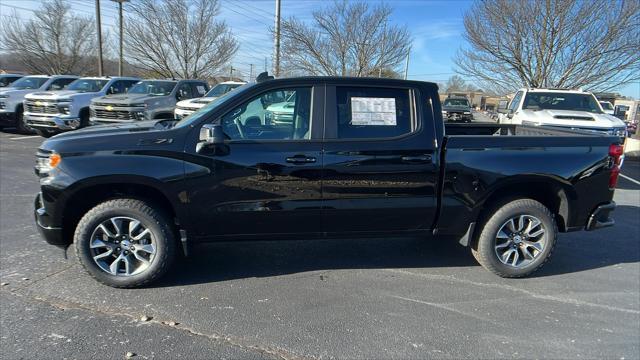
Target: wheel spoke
[[133, 225], [503, 245], [516, 257], [117, 223], [525, 252], [103, 255], [511, 225], [148, 248], [521, 223], [506, 255], [142, 234], [127, 265], [533, 223], [536, 245], [106, 231], [502, 234], [537, 233], [141, 258], [115, 265], [97, 243]]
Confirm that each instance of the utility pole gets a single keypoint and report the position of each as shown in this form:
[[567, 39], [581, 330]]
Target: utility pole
[[250, 72], [120, 61], [406, 66], [100, 64], [384, 42], [231, 68], [276, 64], [265, 63]]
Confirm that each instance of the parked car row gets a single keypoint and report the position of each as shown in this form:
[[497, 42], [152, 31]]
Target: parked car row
[[53, 104]]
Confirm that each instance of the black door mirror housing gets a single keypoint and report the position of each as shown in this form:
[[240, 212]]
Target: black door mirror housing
[[211, 136]]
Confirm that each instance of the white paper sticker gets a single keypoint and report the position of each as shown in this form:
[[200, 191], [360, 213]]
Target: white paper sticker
[[201, 89], [373, 111]]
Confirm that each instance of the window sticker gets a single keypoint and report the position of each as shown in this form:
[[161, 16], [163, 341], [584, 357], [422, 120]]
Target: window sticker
[[200, 89], [371, 111]]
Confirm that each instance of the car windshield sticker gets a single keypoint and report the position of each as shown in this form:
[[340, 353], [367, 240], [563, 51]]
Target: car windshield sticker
[[373, 111], [201, 89]]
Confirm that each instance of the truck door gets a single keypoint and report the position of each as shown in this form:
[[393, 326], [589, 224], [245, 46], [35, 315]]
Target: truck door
[[380, 168], [267, 180]]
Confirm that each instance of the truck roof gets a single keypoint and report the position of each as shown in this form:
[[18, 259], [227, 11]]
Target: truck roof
[[110, 78], [572, 91], [353, 80]]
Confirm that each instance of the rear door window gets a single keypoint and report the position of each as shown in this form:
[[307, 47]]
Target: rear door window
[[364, 112]]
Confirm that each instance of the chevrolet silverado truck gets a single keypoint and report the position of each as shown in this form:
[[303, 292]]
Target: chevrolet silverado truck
[[53, 112], [8, 79], [12, 96], [146, 100], [362, 157], [185, 108], [571, 109], [457, 109]]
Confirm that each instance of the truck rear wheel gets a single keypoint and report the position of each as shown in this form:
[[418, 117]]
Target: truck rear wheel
[[125, 243], [517, 239]]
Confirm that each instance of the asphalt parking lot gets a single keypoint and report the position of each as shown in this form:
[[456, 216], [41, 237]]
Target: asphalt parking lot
[[388, 298]]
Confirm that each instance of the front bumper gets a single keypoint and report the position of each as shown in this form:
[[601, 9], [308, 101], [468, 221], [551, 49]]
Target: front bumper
[[454, 116], [51, 234], [51, 122], [600, 217]]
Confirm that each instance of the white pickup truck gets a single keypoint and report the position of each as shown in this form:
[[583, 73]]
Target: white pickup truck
[[53, 112], [185, 108], [12, 96], [561, 108]]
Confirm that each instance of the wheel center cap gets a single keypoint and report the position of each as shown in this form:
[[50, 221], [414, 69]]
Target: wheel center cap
[[125, 243], [517, 239]]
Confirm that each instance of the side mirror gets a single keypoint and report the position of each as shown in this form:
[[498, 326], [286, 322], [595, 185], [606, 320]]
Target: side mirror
[[510, 114], [211, 136]]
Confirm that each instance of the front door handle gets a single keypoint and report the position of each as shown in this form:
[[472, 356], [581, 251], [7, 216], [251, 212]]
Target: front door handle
[[416, 159], [301, 159]]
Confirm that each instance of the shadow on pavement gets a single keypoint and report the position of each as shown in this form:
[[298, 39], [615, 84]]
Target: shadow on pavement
[[575, 252]]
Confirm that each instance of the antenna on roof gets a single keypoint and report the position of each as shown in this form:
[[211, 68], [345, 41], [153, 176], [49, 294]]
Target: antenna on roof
[[263, 76]]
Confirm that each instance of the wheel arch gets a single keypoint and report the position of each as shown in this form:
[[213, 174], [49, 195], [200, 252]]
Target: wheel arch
[[86, 195]]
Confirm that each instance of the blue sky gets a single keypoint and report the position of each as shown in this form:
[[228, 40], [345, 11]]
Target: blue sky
[[436, 26]]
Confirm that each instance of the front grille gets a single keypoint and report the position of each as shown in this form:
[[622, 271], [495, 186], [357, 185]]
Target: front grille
[[112, 114], [43, 107]]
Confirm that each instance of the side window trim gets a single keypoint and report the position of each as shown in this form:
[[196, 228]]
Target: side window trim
[[316, 118]]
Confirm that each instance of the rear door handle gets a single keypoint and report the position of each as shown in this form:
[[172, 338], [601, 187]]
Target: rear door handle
[[416, 159], [301, 159]]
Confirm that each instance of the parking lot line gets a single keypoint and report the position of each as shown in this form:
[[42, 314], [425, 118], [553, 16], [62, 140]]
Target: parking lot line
[[24, 137], [630, 179]]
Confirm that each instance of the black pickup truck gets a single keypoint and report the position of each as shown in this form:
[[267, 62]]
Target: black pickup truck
[[356, 157]]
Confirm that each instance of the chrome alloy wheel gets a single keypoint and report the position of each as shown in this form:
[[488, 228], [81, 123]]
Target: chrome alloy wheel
[[520, 240], [122, 246]]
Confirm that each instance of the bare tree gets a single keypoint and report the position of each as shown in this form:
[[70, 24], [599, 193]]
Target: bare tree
[[178, 38], [55, 42], [455, 83], [552, 43], [345, 39]]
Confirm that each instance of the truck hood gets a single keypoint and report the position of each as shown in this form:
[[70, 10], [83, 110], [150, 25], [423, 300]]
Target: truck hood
[[285, 107], [195, 103], [113, 137], [52, 95], [127, 99], [570, 118]]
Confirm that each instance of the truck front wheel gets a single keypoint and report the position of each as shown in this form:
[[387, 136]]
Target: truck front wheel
[[517, 239], [125, 243]]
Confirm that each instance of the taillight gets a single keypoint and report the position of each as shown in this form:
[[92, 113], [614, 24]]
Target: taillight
[[616, 153]]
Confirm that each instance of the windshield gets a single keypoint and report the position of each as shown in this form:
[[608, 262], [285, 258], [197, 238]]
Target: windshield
[[456, 102], [561, 101], [210, 106], [221, 89], [606, 105], [87, 85], [155, 88], [29, 82]]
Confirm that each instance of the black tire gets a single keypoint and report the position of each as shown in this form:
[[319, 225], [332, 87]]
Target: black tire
[[46, 133], [484, 249], [152, 219], [21, 124], [84, 118]]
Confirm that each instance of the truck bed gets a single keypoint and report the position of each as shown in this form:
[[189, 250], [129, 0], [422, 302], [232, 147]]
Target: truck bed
[[489, 129]]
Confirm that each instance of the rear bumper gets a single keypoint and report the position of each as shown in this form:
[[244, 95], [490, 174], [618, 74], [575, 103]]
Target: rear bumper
[[601, 217], [51, 234]]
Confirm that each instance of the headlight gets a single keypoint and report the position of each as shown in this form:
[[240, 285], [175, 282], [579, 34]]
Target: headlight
[[139, 105], [65, 107], [622, 132], [46, 164], [444, 112], [140, 115]]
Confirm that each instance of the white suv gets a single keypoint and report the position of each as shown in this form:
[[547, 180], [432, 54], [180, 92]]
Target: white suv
[[561, 108], [187, 107], [53, 112]]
